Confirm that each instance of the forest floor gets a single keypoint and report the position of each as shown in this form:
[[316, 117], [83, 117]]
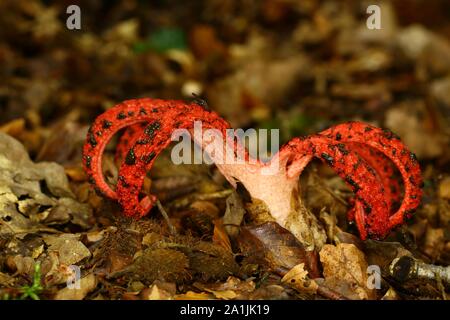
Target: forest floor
[[298, 66]]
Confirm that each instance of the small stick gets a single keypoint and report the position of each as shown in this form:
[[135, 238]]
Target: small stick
[[184, 202], [166, 217], [405, 268], [213, 195]]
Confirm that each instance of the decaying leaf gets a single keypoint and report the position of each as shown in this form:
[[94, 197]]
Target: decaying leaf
[[381, 253], [233, 288], [418, 43], [156, 293], [67, 133], [434, 242], [24, 265], [14, 127], [272, 245], [444, 188], [271, 291], [34, 192], [98, 235], [264, 89], [55, 272], [345, 270], [234, 214], [220, 237], [391, 294], [191, 295], [86, 285], [409, 120], [70, 250], [223, 294], [6, 280], [298, 278]]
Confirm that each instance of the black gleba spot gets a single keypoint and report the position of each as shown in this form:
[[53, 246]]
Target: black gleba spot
[[92, 140], [152, 128], [88, 160], [148, 158], [342, 149], [352, 182], [106, 124], [130, 159], [413, 157], [329, 159]]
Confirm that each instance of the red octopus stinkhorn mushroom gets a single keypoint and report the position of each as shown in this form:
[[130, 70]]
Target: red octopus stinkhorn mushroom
[[363, 155]]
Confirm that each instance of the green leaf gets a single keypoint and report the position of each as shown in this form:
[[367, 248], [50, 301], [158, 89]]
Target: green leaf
[[162, 40], [35, 289]]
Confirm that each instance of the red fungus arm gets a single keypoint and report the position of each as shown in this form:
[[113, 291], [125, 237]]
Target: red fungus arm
[[157, 134], [389, 144], [109, 123], [358, 152], [127, 140], [138, 147]]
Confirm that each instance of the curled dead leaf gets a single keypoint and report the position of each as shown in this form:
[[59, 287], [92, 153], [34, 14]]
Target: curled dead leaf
[[220, 237], [298, 279], [156, 293], [86, 285], [345, 271], [70, 250], [272, 245], [191, 295]]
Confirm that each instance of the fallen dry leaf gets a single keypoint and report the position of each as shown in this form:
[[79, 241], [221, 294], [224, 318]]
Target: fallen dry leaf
[[234, 214], [14, 127], [423, 45], [55, 272], [70, 250], [156, 293], [223, 294], [272, 291], [298, 279], [220, 237], [434, 242], [233, 288], [345, 271], [265, 89], [444, 188], [391, 294], [87, 284], [271, 244], [24, 265], [33, 194], [191, 295], [6, 280], [409, 121]]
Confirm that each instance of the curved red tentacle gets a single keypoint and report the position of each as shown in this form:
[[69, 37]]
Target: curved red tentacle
[[385, 170], [355, 171], [109, 123], [382, 165], [389, 144], [127, 140], [157, 136], [361, 154]]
